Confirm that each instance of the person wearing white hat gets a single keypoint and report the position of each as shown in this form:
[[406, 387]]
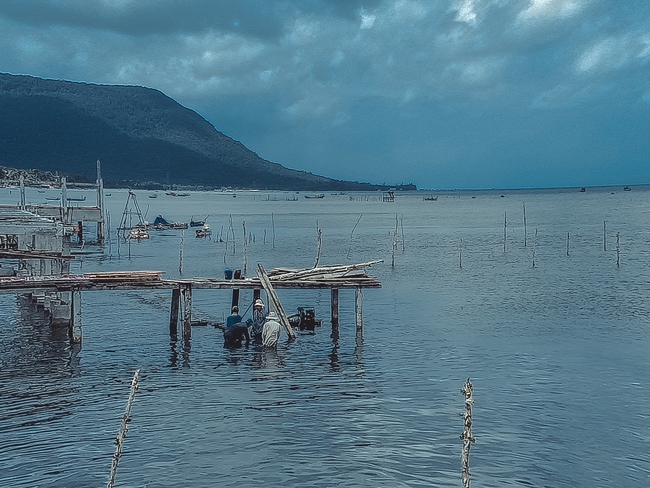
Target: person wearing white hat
[[271, 330], [259, 316]]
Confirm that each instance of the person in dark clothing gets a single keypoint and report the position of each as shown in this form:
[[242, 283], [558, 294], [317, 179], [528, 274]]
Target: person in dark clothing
[[235, 334]]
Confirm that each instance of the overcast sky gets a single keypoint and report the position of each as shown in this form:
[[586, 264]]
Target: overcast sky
[[441, 93]]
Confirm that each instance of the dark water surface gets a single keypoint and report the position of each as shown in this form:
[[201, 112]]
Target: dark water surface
[[557, 353]]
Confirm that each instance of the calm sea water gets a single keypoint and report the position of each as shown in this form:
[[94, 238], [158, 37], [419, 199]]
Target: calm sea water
[[557, 352]]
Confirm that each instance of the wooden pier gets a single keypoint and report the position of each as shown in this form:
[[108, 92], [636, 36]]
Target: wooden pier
[[328, 277]]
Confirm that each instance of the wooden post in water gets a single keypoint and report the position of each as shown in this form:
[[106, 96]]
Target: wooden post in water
[[604, 235], [525, 229], [466, 436], [186, 292], [568, 240], [618, 249], [75, 317], [358, 303], [22, 192], [100, 203], [173, 315], [335, 312], [505, 226], [235, 291]]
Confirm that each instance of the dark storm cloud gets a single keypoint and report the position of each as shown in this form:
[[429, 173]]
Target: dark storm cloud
[[450, 93]]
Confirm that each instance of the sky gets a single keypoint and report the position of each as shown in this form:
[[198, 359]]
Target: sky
[[446, 94]]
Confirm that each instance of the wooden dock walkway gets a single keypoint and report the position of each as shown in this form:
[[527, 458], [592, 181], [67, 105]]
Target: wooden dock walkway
[[328, 277]]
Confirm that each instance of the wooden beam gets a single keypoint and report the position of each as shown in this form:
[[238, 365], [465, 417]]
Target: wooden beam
[[273, 299]]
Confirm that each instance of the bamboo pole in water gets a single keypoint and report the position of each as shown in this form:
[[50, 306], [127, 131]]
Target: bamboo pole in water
[[460, 254], [618, 249], [180, 257], [244, 226], [392, 262], [351, 234], [466, 436], [525, 229], [320, 241], [505, 226], [568, 240], [123, 429], [604, 235]]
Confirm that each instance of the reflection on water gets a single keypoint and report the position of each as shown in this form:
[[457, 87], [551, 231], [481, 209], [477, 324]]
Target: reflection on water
[[556, 353]]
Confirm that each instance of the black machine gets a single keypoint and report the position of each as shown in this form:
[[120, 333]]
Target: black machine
[[305, 319]]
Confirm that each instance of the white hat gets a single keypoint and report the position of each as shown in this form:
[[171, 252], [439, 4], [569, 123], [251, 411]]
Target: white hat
[[272, 316], [258, 302]]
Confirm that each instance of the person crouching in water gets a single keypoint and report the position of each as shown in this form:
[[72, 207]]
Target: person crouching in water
[[271, 330], [259, 316], [236, 330]]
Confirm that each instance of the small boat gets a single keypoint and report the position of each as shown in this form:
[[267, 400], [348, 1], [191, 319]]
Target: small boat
[[160, 223], [138, 234], [197, 223], [627, 188], [318, 195], [431, 198], [153, 195], [53, 198], [77, 199], [583, 189], [175, 194]]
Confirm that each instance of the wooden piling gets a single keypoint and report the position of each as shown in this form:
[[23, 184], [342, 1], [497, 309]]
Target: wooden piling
[[358, 302], [173, 315], [75, 317], [186, 292], [335, 307], [100, 203], [235, 291]]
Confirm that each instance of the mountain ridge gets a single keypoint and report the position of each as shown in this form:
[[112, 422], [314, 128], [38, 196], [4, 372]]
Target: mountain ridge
[[142, 136]]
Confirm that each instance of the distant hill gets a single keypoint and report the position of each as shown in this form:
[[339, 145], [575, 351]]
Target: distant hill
[[142, 137]]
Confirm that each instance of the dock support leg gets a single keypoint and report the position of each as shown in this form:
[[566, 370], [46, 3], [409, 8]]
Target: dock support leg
[[173, 315], [335, 313], [235, 291], [187, 312], [75, 317], [358, 302]]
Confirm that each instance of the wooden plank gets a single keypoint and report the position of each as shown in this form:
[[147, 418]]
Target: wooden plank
[[273, 299], [173, 315]]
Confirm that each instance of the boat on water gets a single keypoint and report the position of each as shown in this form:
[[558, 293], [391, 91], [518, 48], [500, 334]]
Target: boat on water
[[138, 234], [317, 195], [53, 198], [431, 198], [198, 223], [77, 199], [627, 188], [153, 195], [160, 223], [583, 189], [177, 194]]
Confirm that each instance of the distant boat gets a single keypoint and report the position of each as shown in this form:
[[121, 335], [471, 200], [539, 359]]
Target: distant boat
[[153, 195], [52, 198], [77, 199], [175, 194], [431, 198], [198, 223], [582, 190], [627, 188], [318, 195], [138, 234]]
